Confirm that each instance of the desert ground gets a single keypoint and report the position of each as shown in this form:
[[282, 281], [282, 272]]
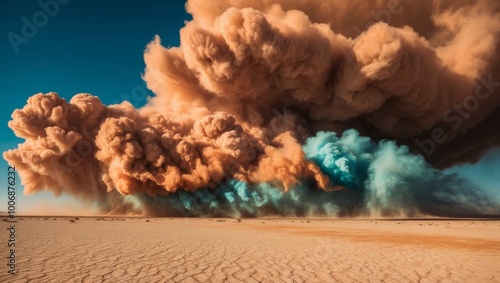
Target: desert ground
[[117, 249]]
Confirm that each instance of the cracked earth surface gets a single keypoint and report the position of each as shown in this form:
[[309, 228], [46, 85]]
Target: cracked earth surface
[[255, 250]]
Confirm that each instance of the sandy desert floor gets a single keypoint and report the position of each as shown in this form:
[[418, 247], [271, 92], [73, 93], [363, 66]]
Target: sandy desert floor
[[254, 250]]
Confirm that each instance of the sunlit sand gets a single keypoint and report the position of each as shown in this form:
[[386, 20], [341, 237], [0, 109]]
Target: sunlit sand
[[91, 249]]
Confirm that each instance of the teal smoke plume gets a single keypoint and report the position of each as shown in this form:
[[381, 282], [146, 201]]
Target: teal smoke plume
[[236, 125], [379, 179]]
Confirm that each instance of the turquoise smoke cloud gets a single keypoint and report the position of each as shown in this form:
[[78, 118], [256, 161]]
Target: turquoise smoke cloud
[[380, 179]]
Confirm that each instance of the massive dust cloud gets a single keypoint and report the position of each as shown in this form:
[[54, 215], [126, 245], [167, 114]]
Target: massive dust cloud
[[293, 108]]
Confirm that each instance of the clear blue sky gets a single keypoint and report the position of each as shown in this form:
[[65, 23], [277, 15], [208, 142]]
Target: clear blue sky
[[97, 47], [87, 46]]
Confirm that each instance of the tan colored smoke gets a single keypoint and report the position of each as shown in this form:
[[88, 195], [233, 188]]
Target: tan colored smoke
[[85, 148], [252, 80]]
